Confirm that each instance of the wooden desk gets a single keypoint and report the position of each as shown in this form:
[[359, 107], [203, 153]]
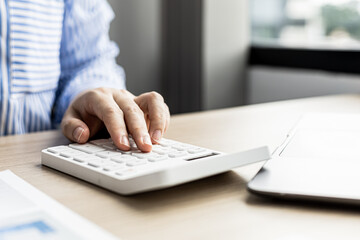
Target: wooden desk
[[218, 207]]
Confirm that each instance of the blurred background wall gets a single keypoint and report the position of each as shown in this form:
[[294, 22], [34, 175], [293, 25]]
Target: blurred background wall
[[225, 50], [148, 44], [200, 53], [137, 30]]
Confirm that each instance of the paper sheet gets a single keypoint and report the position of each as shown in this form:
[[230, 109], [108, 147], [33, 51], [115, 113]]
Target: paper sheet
[[27, 213]]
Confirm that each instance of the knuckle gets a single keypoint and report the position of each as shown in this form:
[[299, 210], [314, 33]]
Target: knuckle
[[109, 112], [98, 93], [155, 95], [157, 117], [95, 95], [103, 90], [132, 110], [123, 92]]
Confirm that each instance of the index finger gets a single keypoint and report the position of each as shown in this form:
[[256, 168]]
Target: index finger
[[105, 108]]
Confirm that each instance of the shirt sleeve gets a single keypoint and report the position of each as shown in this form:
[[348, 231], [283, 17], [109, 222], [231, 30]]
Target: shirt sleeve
[[87, 56]]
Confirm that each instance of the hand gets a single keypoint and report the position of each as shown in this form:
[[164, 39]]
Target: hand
[[145, 117]]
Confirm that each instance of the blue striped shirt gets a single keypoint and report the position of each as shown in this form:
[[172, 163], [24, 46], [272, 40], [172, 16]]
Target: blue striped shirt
[[50, 51]]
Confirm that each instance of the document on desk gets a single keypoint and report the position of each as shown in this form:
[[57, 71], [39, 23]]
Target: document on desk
[[27, 213]]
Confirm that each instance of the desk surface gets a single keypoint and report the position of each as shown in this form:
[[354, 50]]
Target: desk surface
[[218, 207]]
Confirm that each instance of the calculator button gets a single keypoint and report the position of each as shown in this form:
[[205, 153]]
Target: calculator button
[[109, 146], [180, 147], [177, 154], [100, 142], [142, 155], [132, 151], [57, 149], [161, 150], [87, 147], [106, 154], [157, 158], [156, 146], [123, 152], [196, 150], [166, 142], [122, 158], [137, 162], [113, 166], [96, 163], [81, 158], [70, 153]]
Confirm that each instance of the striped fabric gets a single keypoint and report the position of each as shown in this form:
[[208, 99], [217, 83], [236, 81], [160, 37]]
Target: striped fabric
[[50, 51]]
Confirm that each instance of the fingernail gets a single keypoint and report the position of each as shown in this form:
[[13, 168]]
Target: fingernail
[[124, 141], [146, 140], [78, 133], [156, 135]]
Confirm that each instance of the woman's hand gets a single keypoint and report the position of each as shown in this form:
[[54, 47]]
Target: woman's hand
[[145, 117]]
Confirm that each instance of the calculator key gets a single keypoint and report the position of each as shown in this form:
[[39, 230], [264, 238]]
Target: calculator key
[[166, 142], [113, 166], [177, 154], [142, 155], [123, 152], [109, 146], [107, 154], [132, 151], [161, 150], [57, 149], [157, 158], [136, 162], [87, 147], [196, 150], [81, 158], [100, 142], [180, 147], [96, 163], [69, 153], [122, 158]]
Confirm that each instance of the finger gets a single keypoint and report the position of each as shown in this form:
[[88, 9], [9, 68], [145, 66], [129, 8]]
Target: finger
[[106, 109], [135, 121], [158, 113], [74, 128], [157, 123], [167, 118]]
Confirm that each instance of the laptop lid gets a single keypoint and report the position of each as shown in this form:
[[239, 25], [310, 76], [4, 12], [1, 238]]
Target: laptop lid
[[320, 159]]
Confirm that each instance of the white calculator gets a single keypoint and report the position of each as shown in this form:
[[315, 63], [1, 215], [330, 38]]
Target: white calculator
[[128, 172]]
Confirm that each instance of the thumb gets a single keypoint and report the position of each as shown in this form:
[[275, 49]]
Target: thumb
[[74, 129]]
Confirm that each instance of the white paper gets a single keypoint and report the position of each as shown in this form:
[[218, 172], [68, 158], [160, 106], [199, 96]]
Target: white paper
[[27, 213]]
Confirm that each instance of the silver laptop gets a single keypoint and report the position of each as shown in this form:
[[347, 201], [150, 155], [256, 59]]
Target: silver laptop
[[320, 159]]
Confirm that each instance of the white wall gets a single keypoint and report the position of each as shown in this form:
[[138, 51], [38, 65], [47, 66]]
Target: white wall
[[226, 38], [137, 30], [273, 84]]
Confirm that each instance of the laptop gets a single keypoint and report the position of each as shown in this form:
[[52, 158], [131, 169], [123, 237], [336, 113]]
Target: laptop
[[319, 160]]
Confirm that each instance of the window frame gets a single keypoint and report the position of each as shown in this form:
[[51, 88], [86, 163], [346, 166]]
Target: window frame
[[331, 60]]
